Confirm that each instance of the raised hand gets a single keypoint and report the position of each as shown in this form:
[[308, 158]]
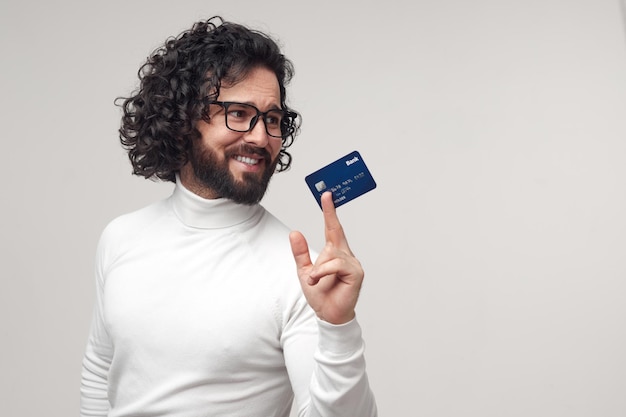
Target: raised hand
[[331, 285]]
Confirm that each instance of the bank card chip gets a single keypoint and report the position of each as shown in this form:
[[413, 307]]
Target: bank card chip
[[347, 178]]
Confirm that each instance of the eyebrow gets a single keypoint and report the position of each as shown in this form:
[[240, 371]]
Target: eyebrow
[[254, 105]]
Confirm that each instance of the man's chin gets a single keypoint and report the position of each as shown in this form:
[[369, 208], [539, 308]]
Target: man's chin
[[242, 179], [249, 189]]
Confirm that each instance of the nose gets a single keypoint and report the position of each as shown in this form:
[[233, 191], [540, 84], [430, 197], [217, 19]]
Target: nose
[[258, 134]]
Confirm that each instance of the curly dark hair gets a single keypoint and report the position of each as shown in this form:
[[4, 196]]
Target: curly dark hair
[[179, 79]]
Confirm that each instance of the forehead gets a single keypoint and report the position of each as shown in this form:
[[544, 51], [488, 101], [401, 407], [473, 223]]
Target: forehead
[[260, 86]]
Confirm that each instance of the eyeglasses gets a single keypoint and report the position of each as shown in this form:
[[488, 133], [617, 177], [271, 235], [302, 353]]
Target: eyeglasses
[[242, 117]]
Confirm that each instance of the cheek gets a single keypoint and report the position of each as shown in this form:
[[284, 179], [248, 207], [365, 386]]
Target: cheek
[[216, 135], [226, 140], [275, 148]]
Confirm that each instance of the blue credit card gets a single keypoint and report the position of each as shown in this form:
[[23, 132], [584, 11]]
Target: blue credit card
[[347, 178]]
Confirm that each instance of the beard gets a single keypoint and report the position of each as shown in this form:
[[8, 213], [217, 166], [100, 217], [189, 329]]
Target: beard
[[214, 173]]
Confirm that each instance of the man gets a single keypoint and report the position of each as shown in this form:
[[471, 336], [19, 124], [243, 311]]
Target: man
[[199, 311]]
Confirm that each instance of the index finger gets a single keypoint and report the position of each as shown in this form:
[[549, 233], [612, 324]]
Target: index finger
[[332, 227]]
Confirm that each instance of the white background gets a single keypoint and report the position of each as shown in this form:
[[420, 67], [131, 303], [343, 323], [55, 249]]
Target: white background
[[494, 244]]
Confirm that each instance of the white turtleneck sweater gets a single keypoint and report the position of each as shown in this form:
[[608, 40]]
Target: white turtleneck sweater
[[199, 313]]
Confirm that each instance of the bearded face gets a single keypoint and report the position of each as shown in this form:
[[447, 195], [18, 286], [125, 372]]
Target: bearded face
[[238, 148], [213, 171]]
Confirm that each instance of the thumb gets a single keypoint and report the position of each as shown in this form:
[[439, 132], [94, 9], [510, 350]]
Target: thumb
[[300, 249]]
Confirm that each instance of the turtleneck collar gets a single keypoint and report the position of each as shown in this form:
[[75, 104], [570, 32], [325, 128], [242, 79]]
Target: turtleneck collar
[[202, 213]]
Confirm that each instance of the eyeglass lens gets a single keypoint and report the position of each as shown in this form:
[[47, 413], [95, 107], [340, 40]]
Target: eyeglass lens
[[242, 117]]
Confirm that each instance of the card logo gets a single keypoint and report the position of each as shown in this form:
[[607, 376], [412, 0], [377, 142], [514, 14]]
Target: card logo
[[352, 161]]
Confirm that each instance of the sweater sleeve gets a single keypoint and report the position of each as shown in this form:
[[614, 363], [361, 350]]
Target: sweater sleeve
[[97, 359], [327, 371]]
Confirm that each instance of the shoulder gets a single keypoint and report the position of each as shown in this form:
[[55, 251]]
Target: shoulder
[[273, 223], [134, 222], [273, 229], [128, 228]]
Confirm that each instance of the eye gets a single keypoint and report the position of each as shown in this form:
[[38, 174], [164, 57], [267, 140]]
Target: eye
[[236, 113], [274, 118], [240, 111]]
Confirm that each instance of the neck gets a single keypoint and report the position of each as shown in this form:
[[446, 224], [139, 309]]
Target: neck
[[209, 213]]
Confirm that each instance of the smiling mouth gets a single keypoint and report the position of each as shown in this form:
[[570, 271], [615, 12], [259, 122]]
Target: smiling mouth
[[247, 160]]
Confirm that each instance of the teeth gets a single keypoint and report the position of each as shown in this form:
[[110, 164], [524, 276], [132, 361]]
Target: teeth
[[246, 160]]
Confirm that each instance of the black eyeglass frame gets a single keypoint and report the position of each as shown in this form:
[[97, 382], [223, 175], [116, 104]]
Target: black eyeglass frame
[[287, 122]]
